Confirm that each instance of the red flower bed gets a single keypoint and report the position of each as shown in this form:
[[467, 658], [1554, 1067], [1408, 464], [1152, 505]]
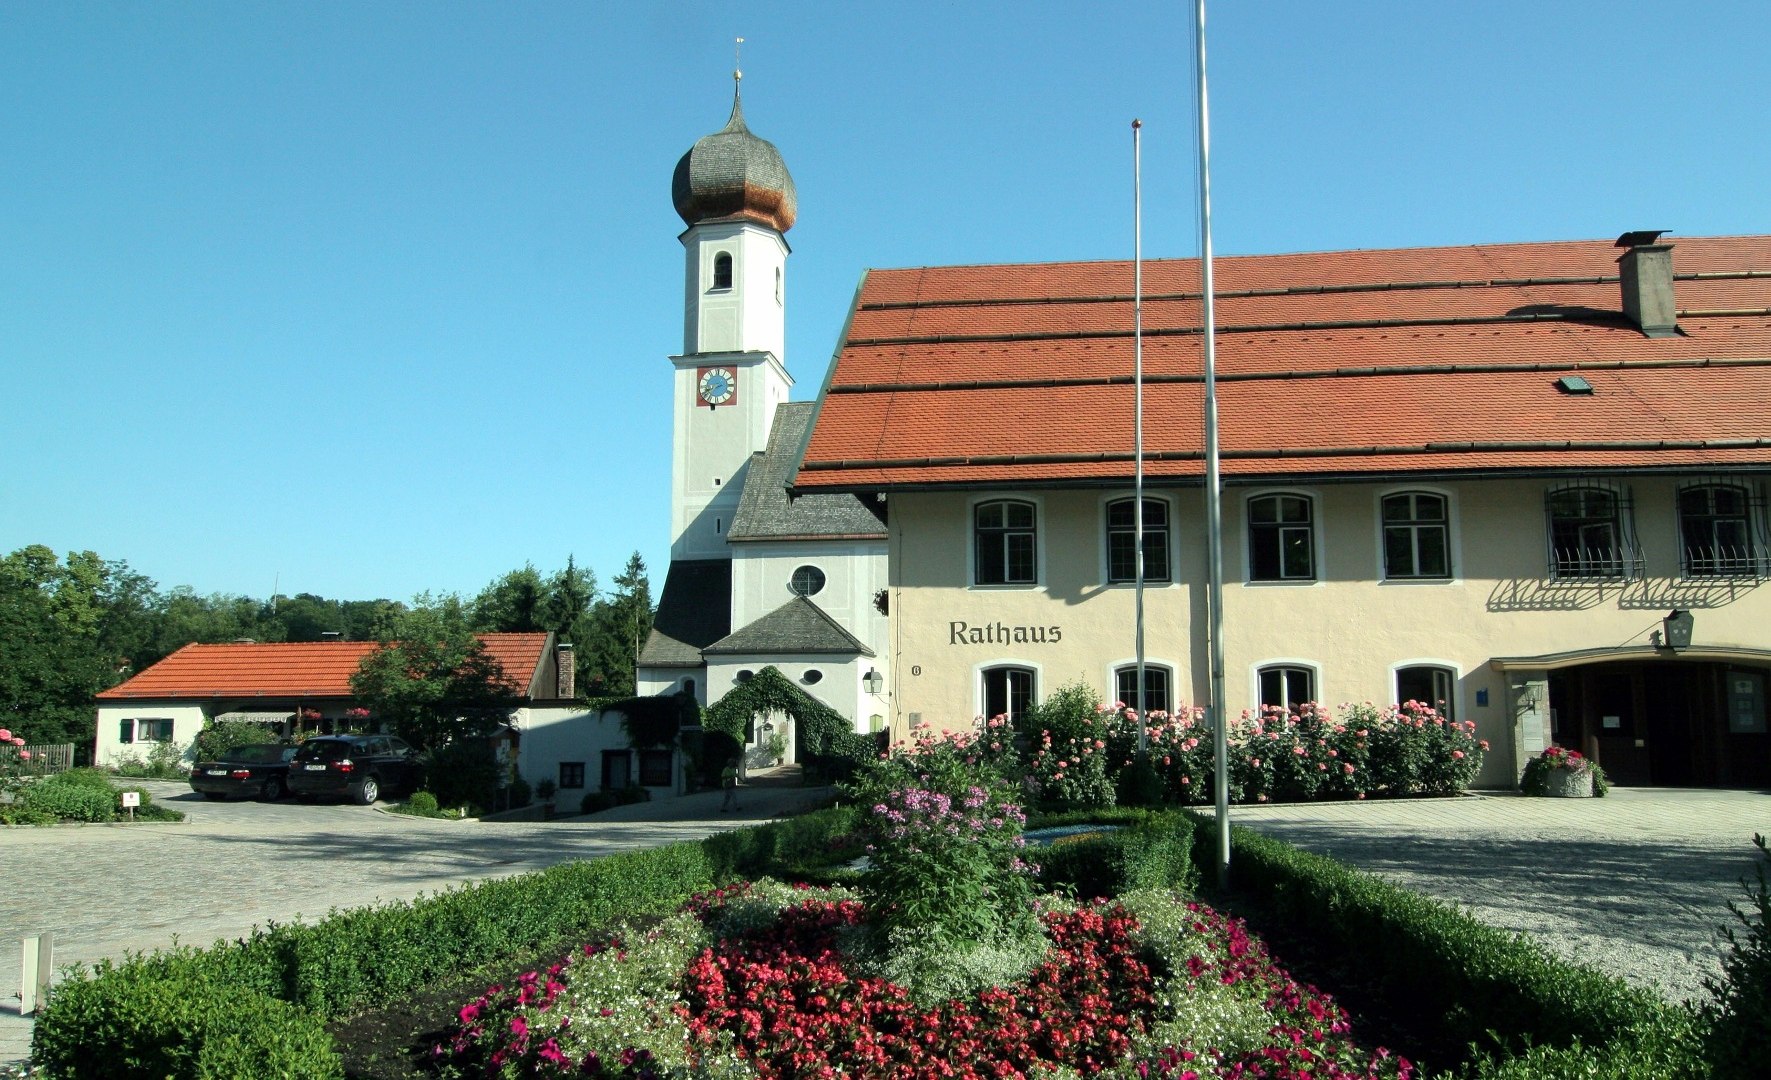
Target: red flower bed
[[783, 999]]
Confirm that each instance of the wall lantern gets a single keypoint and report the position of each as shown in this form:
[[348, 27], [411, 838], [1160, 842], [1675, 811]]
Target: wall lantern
[[1678, 628], [873, 681], [768, 726]]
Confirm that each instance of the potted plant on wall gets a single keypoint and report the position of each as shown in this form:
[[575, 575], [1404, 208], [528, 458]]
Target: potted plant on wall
[[777, 747], [1561, 773]]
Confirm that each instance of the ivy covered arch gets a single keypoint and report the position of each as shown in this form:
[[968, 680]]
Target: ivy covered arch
[[825, 741]]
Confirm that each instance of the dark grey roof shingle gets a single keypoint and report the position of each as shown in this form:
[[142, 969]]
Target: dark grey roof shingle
[[766, 513], [694, 612], [798, 626]]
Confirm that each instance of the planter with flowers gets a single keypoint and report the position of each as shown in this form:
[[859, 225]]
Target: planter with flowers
[[1561, 773], [356, 718]]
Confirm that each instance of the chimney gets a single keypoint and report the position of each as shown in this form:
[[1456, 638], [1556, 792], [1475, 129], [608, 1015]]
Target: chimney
[[1646, 271], [566, 680]]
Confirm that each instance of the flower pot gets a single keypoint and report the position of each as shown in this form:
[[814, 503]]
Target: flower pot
[[1568, 784]]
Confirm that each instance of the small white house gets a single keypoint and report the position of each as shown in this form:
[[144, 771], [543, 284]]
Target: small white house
[[304, 687]]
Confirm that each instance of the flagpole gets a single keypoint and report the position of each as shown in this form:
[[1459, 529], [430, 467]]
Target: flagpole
[[1214, 541], [1137, 308]]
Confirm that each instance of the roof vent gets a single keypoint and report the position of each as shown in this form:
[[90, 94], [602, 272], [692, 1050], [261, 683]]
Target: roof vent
[[1574, 384], [1646, 272]]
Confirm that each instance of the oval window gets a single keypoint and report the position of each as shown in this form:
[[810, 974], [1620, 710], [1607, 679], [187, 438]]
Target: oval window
[[806, 581], [746, 675], [811, 677]]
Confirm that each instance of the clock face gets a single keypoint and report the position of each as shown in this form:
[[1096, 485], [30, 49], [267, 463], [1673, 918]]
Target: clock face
[[718, 385]]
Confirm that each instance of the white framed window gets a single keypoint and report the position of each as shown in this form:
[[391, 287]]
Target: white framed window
[[1429, 682], [1416, 536], [722, 271], [1005, 542], [1007, 690], [1158, 694], [1122, 542], [1281, 529], [1285, 684], [571, 774], [145, 729]]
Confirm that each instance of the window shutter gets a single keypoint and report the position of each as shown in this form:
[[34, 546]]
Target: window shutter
[[126, 731]]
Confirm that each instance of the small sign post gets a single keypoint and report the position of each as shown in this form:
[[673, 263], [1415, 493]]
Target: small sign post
[[39, 962], [131, 800]]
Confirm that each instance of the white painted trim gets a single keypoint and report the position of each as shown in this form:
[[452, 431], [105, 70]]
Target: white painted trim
[[1453, 533], [982, 666], [1114, 667], [1104, 560], [1318, 546], [1041, 539], [1458, 710], [1255, 669]]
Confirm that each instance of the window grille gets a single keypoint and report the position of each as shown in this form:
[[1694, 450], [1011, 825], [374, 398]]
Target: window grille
[[1722, 530], [1592, 532]]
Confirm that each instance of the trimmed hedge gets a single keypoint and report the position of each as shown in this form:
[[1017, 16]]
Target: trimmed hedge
[[808, 846], [1442, 967], [1148, 850], [122, 1016]]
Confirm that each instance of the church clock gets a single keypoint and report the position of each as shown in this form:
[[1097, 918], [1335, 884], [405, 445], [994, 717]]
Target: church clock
[[717, 386]]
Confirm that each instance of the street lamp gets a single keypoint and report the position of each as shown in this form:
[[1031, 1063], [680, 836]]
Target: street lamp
[[1677, 625], [873, 682]]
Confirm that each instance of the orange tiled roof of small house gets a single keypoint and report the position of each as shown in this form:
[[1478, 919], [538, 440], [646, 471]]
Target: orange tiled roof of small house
[[1336, 363], [320, 669]]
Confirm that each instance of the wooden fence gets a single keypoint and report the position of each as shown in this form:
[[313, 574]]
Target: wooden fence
[[43, 760]]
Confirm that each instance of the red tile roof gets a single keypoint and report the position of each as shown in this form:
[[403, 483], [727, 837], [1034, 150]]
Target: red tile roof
[[320, 669], [1353, 362]]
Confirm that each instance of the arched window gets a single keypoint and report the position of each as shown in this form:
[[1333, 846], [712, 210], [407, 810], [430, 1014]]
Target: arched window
[[1417, 536], [1590, 534], [1122, 540], [1007, 543], [1155, 697], [1286, 687], [722, 271], [1281, 538], [1428, 684], [1008, 691]]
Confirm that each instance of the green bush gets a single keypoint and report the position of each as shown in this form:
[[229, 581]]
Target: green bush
[[423, 802], [67, 797], [1738, 1018], [1152, 850], [128, 1015], [632, 793], [595, 802], [792, 848], [463, 773], [220, 736], [1439, 968], [147, 1020]]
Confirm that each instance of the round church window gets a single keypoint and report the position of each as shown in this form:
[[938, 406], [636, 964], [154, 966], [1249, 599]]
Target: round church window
[[807, 581]]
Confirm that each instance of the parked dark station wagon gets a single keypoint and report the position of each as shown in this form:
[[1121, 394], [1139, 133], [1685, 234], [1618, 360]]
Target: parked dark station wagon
[[261, 769], [361, 768]]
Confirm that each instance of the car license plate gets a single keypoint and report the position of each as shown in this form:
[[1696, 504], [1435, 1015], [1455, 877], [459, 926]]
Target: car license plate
[[218, 772], [316, 768]]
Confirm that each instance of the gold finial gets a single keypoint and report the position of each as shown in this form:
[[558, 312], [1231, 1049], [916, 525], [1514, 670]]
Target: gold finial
[[737, 67]]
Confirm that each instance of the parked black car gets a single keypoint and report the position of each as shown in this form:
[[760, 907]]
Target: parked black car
[[362, 768], [261, 769]]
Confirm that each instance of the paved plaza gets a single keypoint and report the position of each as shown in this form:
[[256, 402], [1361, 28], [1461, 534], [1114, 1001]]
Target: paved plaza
[[1636, 883]]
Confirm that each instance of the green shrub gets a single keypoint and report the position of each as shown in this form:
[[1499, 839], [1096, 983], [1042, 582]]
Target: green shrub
[[170, 1017], [164, 761], [1152, 851], [423, 802], [595, 802], [71, 799], [632, 793], [1738, 1018], [220, 736], [463, 773], [1438, 967], [792, 848]]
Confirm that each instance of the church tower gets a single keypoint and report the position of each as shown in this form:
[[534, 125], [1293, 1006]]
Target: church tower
[[734, 193]]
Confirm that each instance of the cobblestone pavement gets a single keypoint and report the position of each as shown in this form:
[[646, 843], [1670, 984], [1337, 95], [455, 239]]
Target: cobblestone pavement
[[103, 890], [1636, 884]]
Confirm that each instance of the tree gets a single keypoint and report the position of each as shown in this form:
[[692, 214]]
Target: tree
[[618, 628], [432, 680], [512, 604]]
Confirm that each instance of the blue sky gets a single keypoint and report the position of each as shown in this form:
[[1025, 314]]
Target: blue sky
[[372, 298]]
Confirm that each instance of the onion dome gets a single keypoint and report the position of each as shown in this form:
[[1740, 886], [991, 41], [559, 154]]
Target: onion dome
[[732, 174]]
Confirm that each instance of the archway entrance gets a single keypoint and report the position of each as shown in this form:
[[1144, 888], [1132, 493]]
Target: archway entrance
[[1666, 722]]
